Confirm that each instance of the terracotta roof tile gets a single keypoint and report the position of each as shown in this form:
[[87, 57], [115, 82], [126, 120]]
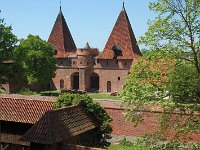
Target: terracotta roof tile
[[122, 35], [23, 110], [60, 124], [61, 38]]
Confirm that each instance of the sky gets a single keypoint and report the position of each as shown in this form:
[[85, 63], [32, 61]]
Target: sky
[[88, 20]]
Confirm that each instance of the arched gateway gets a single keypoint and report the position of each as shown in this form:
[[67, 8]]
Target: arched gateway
[[94, 82]]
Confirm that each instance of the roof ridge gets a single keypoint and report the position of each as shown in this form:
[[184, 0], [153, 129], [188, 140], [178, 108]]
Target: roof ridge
[[61, 37], [123, 35], [28, 97]]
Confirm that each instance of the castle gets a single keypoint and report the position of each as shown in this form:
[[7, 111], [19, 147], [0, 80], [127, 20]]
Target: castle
[[87, 69]]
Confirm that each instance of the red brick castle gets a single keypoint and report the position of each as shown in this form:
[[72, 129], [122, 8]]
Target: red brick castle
[[86, 69]]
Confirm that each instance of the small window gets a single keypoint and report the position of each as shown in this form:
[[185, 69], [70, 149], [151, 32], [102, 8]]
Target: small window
[[74, 62], [81, 63], [61, 62], [55, 52], [107, 63], [119, 78], [125, 63], [116, 61]]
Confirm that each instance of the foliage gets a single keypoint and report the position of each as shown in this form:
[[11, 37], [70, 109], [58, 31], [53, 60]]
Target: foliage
[[124, 147], [25, 91], [8, 43], [125, 142], [97, 137], [35, 56], [175, 29], [168, 76], [157, 144], [2, 91]]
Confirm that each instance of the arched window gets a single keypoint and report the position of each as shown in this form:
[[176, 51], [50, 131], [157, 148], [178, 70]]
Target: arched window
[[109, 86], [62, 84]]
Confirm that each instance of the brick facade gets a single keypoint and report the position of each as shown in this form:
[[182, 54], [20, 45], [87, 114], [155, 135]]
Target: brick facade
[[88, 70], [122, 128]]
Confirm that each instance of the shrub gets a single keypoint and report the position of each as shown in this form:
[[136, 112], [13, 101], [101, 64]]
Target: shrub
[[25, 91], [97, 137]]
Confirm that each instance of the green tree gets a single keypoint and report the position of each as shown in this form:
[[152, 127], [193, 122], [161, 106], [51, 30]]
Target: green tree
[[8, 43], [97, 137], [176, 29], [169, 74], [36, 58]]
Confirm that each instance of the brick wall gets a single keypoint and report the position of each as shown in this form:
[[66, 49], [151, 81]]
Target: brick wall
[[123, 128]]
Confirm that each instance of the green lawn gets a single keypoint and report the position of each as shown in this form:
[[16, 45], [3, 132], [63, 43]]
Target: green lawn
[[98, 96], [2, 91], [103, 96], [123, 147]]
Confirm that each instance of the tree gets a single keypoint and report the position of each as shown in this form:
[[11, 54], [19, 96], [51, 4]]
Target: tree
[[97, 137], [36, 58], [169, 74], [176, 29], [8, 43]]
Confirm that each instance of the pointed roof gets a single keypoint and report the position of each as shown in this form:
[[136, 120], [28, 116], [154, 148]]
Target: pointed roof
[[122, 36], [61, 124], [61, 37]]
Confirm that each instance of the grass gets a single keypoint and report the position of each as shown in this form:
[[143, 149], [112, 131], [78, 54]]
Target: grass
[[49, 93], [124, 147], [2, 91], [103, 96], [98, 96]]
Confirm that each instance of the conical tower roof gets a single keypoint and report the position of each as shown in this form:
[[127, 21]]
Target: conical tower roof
[[122, 43], [61, 37]]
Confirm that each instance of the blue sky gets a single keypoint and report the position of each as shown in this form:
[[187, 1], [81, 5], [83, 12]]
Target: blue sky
[[89, 20]]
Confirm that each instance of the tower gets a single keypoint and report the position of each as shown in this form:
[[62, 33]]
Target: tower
[[120, 52], [61, 37], [122, 43]]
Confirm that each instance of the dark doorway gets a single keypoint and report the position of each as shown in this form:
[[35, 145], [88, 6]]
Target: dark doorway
[[94, 82], [109, 86], [75, 81], [62, 84]]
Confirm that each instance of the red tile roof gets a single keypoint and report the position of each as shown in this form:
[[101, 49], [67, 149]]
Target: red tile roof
[[122, 36], [23, 109], [61, 37], [59, 124]]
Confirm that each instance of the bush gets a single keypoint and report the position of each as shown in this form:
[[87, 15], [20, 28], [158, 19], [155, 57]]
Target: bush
[[125, 142], [97, 137], [25, 91]]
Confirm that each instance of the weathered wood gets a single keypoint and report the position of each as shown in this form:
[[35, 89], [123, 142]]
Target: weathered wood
[[13, 139], [4, 147]]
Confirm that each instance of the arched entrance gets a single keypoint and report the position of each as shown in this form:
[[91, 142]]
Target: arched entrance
[[75, 81], [109, 86], [94, 82], [62, 84]]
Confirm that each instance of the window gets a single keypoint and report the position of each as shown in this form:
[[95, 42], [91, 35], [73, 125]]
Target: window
[[119, 78], [107, 63], [74, 62], [116, 61], [125, 63], [61, 62], [117, 51], [62, 84], [81, 63], [55, 52]]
